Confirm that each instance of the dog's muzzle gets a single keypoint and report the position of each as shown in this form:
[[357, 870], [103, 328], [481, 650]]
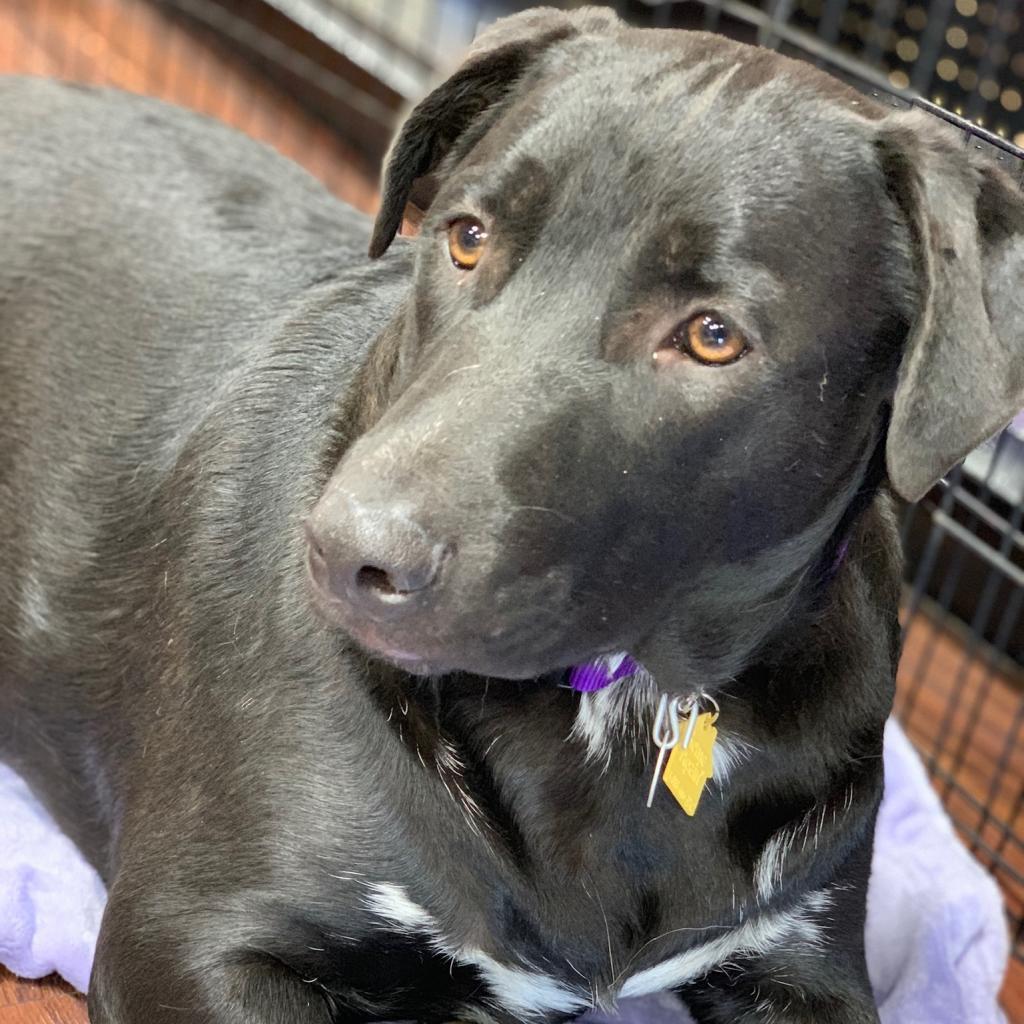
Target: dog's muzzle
[[375, 558]]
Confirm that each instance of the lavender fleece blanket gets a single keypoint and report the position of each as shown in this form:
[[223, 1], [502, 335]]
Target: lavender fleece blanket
[[937, 940]]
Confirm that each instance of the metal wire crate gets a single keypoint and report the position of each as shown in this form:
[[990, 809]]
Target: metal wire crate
[[962, 687], [325, 81]]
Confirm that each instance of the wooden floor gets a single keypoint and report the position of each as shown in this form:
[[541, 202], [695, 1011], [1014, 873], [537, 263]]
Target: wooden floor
[[967, 717], [128, 44], [39, 1002]]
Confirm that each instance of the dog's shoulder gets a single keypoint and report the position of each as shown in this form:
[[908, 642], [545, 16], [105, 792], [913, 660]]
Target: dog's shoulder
[[138, 176]]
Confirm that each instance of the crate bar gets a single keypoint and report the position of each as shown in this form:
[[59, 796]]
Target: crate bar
[[984, 514], [931, 44], [885, 15], [852, 67], [996, 36], [221, 21]]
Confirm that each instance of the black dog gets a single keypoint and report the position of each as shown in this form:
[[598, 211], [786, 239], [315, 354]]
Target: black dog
[[678, 312]]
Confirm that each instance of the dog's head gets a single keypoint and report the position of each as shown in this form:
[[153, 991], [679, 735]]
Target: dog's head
[[671, 294]]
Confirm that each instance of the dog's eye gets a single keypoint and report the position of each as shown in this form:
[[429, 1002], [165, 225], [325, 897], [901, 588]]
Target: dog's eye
[[710, 339], [466, 240]]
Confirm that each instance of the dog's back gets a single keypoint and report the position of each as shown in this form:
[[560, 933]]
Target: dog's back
[[149, 262]]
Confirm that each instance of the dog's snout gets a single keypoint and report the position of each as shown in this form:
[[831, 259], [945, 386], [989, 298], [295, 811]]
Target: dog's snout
[[376, 556]]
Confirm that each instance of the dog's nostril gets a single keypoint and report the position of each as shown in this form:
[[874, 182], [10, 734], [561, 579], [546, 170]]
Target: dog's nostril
[[376, 557], [369, 577]]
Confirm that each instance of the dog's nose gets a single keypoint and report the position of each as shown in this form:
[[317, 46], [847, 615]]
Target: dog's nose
[[375, 556]]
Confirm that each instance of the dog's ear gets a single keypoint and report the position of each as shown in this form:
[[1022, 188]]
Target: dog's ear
[[460, 110], [962, 374]]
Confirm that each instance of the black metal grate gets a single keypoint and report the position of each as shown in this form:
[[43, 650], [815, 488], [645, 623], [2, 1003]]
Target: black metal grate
[[966, 579]]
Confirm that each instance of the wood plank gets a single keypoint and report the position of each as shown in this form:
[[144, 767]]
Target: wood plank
[[1012, 995], [53, 993], [57, 1010], [24, 990]]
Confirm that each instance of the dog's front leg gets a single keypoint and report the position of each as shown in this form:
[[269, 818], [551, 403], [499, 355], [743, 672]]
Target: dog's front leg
[[823, 982], [805, 962], [141, 978], [764, 999]]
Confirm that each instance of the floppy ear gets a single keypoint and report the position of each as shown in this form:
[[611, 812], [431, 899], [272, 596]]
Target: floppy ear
[[962, 374], [460, 111]]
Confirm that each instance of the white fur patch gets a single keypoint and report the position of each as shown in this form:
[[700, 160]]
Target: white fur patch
[[523, 991], [530, 993], [772, 863], [760, 935], [392, 903], [623, 710], [728, 754], [35, 608], [770, 866], [592, 726], [615, 661], [526, 992], [818, 902]]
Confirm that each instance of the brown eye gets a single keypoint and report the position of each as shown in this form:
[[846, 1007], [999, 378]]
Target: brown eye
[[466, 240], [711, 340]]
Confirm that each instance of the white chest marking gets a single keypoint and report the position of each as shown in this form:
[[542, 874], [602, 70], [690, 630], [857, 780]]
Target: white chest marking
[[523, 991], [393, 904], [622, 712], [526, 992], [794, 928], [772, 863], [531, 993]]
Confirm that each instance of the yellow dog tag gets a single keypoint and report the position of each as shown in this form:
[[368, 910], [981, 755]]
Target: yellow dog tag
[[690, 767]]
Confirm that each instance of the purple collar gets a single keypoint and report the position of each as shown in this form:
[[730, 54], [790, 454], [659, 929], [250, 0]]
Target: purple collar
[[837, 561], [602, 672]]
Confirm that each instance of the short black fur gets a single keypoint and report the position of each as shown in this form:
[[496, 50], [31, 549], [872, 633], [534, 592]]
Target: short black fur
[[323, 794]]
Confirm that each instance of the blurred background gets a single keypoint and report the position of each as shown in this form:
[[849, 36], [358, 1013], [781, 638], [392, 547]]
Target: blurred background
[[326, 81]]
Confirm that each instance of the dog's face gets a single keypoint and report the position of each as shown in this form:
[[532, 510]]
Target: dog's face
[[661, 298]]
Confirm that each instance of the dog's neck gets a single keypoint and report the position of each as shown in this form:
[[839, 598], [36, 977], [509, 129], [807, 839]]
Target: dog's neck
[[612, 724], [809, 699], [614, 721]]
